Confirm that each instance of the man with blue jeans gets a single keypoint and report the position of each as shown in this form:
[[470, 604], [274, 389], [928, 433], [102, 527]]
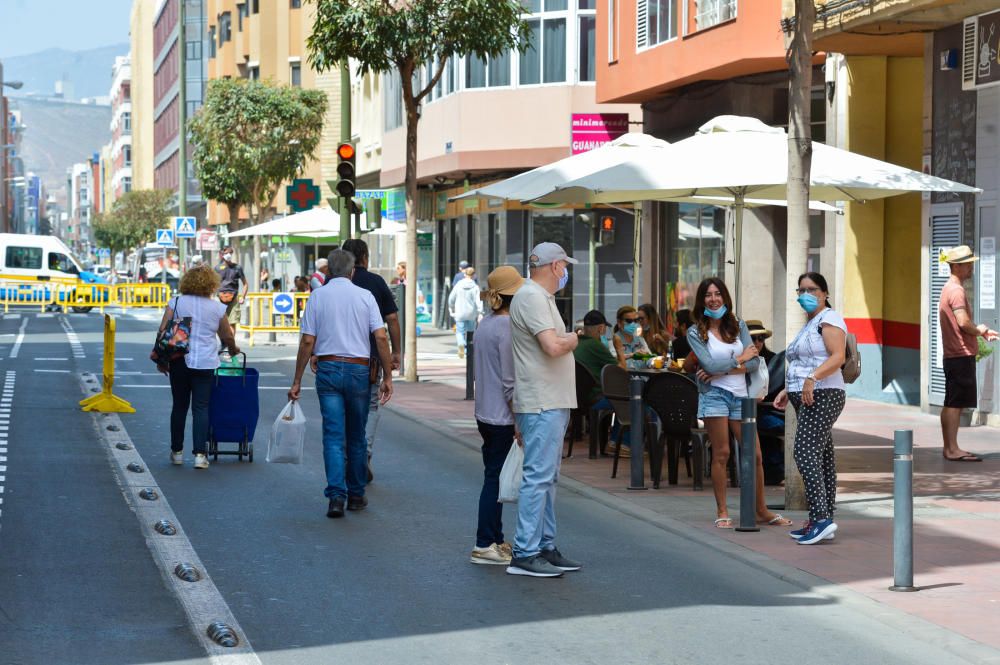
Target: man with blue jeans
[[335, 328], [544, 393]]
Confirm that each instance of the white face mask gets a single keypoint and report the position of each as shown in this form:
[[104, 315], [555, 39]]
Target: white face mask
[[228, 257]]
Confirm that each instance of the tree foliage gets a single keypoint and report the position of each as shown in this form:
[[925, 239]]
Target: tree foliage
[[133, 219]]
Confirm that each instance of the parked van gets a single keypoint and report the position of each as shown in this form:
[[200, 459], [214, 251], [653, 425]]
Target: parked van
[[31, 258]]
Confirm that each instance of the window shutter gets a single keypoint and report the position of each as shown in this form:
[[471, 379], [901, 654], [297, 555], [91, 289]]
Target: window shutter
[[641, 24], [969, 29], [946, 232]]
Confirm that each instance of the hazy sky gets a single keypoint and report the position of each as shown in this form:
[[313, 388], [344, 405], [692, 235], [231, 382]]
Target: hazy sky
[[27, 26]]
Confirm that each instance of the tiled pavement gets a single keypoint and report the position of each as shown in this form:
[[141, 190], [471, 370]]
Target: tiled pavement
[[957, 505]]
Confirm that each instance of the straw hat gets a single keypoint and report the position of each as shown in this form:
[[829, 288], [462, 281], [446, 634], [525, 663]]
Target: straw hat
[[960, 254], [504, 281], [757, 328]]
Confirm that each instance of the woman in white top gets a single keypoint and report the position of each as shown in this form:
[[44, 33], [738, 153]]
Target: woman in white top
[[725, 354], [815, 387], [191, 375]]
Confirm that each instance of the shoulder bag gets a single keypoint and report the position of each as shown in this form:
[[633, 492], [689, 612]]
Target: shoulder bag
[[173, 340]]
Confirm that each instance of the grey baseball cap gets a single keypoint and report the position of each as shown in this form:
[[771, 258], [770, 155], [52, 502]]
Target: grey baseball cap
[[546, 253]]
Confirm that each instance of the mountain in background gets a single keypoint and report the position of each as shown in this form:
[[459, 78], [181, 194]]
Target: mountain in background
[[84, 73]]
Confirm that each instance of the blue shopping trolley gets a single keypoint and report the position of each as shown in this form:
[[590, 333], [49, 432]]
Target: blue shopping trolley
[[235, 407]]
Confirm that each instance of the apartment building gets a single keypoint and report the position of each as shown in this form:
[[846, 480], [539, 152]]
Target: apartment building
[[5, 211], [141, 62], [120, 149], [84, 194]]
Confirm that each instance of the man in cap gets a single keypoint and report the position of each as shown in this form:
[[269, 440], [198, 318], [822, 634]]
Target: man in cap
[[592, 352], [960, 344], [460, 275], [544, 393]]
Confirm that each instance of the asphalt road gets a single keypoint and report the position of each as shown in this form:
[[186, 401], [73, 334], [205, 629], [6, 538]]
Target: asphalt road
[[391, 584]]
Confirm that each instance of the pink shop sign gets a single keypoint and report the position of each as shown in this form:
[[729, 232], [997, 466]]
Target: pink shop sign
[[592, 130]]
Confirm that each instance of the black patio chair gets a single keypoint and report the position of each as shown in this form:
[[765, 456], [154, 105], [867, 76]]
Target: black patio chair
[[674, 399], [614, 385], [585, 385]]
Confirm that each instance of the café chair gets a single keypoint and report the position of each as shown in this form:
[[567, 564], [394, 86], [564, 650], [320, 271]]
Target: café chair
[[674, 399], [585, 385], [614, 385]]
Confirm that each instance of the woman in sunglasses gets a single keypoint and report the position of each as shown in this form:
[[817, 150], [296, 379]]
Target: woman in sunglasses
[[628, 339], [815, 387]]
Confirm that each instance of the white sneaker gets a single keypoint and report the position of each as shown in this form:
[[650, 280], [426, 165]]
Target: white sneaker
[[490, 556], [176, 458], [200, 461]]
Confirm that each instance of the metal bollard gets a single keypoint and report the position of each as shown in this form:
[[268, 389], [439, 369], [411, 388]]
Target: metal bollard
[[637, 414], [902, 511], [470, 372], [748, 467]]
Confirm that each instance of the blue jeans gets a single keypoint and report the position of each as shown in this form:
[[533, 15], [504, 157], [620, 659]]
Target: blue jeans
[[461, 327], [536, 506], [343, 391], [497, 440]]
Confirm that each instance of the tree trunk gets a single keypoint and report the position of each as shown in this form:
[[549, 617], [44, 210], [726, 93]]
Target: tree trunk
[[799, 164], [412, 269]]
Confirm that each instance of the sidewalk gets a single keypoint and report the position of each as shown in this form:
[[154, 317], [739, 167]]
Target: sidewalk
[[956, 505]]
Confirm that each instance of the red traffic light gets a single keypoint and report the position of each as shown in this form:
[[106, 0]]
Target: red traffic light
[[345, 151], [607, 223]]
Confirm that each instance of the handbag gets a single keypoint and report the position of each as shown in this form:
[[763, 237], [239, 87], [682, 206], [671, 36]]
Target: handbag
[[758, 381], [173, 341]]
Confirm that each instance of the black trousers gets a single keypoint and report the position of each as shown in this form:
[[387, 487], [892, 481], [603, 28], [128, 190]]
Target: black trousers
[[497, 440], [190, 388]]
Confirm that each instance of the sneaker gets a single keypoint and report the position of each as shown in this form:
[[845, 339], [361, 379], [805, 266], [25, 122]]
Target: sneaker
[[798, 533], [554, 557], [176, 458], [506, 548], [818, 532], [200, 461], [490, 556], [461, 353], [532, 566]]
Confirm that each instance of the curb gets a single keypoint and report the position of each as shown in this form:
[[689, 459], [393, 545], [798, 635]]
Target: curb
[[912, 626]]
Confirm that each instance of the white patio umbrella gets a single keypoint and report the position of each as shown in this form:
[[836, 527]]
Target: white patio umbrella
[[315, 222], [741, 157]]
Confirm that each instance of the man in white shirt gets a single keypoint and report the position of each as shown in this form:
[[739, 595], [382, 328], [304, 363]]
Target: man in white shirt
[[335, 327]]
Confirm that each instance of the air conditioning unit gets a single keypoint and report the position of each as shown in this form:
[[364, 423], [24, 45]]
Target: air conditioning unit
[[981, 51]]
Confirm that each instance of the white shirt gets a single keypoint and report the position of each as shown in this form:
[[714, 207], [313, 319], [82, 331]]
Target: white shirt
[[206, 315], [734, 383], [341, 316], [808, 351]]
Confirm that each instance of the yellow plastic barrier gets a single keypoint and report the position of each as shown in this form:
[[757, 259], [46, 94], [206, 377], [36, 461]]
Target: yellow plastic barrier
[[140, 295], [106, 401], [263, 318], [85, 295], [28, 293]]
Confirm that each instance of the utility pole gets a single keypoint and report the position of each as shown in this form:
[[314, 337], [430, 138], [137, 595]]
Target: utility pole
[[345, 137], [182, 123]]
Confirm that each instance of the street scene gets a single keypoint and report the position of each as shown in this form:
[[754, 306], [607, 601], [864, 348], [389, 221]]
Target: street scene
[[520, 331]]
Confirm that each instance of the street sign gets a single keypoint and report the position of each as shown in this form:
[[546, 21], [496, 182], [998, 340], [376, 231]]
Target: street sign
[[302, 194], [165, 237], [282, 303], [371, 193], [207, 240], [185, 227]]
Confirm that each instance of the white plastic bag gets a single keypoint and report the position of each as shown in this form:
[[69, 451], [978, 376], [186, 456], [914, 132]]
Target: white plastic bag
[[757, 385], [288, 436], [510, 475]]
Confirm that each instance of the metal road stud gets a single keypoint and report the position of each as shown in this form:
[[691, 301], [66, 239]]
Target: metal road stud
[[106, 401]]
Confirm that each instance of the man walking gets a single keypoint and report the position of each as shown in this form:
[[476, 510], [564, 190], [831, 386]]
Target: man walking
[[544, 393], [336, 327], [389, 312], [319, 277], [460, 275], [230, 294], [959, 340]]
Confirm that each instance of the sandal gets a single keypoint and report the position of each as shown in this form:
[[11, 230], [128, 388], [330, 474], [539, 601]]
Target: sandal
[[724, 523], [779, 520]]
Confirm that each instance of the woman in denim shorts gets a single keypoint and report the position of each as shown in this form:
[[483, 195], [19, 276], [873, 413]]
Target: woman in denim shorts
[[721, 342]]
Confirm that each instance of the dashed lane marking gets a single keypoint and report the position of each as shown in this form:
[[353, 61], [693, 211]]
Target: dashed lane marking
[[74, 340], [49, 359], [8, 389], [14, 350], [53, 371]]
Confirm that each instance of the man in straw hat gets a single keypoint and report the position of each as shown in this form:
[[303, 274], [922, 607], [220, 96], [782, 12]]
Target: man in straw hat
[[494, 360], [959, 340]]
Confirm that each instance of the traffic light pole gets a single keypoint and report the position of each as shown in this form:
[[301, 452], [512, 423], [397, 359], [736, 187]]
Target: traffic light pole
[[345, 137]]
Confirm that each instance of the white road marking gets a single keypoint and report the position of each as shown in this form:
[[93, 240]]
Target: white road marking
[[11, 316], [44, 359], [123, 359], [54, 371], [202, 602], [8, 388], [14, 350], [74, 340]]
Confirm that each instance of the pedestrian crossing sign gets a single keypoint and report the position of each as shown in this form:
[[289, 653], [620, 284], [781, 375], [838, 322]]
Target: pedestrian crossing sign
[[185, 227], [165, 237]]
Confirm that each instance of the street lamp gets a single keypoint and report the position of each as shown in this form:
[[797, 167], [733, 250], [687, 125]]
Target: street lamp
[[16, 85]]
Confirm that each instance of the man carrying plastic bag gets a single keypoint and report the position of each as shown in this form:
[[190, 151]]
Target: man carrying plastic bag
[[288, 436], [335, 327]]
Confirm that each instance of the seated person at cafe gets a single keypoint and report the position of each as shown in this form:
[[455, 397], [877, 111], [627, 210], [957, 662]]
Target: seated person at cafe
[[770, 421], [592, 352], [681, 347], [628, 339]]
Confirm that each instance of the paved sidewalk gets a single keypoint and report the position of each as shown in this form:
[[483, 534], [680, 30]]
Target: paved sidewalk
[[957, 505]]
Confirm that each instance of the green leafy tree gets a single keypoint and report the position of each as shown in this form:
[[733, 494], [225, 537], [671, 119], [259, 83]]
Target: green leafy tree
[[133, 219], [401, 36], [108, 233], [250, 137]]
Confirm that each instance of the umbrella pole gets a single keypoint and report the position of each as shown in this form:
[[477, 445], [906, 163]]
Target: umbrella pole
[[738, 251], [636, 238]]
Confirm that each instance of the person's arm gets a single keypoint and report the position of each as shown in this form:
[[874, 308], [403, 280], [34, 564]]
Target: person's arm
[[749, 357], [246, 286], [394, 337], [451, 301], [382, 344], [306, 345], [706, 362], [555, 345], [168, 314], [225, 333], [619, 350], [969, 327]]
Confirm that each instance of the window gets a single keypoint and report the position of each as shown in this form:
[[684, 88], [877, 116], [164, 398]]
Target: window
[[242, 11], [586, 40], [254, 6], [126, 122], [62, 263], [126, 184], [393, 100], [295, 4], [127, 153], [29, 258], [193, 50], [253, 73], [656, 22], [487, 72], [211, 42], [713, 12], [544, 60], [294, 74], [225, 28]]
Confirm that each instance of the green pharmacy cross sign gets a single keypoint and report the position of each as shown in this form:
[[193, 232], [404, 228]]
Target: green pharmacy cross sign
[[302, 194]]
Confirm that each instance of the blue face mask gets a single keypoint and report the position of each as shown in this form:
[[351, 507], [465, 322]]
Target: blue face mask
[[808, 302], [564, 279], [606, 336], [716, 313], [631, 328]]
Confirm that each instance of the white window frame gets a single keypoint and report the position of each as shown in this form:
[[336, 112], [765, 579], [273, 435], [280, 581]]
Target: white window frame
[[580, 13], [685, 20], [569, 15], [613, 20], [642, 42]]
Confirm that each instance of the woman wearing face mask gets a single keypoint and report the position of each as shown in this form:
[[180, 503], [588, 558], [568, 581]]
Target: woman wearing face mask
[[725, 354], [628, 339], [656, 335], [815, 387]]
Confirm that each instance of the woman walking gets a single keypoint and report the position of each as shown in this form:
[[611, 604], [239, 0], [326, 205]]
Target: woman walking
[[494, 360], [725, 354], [191, 374], [815, 387]]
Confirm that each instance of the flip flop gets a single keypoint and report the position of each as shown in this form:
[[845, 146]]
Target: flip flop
[[719, 523], [779, 520], [968, 457]]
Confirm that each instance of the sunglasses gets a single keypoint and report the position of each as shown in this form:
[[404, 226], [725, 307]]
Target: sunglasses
[[758, 338], [632, 320]]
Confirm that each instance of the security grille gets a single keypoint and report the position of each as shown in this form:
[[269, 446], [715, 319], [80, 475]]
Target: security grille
[[946, 231]]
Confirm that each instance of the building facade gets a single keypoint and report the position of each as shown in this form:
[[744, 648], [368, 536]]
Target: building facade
[[120, 153], [141, 62]]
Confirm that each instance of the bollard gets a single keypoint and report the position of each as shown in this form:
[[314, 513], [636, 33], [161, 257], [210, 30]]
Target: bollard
[[470, 370], [106, 401], [635, 386], [902, 511], [748, 467]]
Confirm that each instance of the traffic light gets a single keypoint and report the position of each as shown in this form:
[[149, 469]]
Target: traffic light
[[607, 229], [345, 170]]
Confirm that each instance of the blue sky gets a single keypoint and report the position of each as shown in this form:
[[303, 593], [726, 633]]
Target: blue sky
[[27, 26]]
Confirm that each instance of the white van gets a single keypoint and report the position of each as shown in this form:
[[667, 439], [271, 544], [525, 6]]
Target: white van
[[30, 258]]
